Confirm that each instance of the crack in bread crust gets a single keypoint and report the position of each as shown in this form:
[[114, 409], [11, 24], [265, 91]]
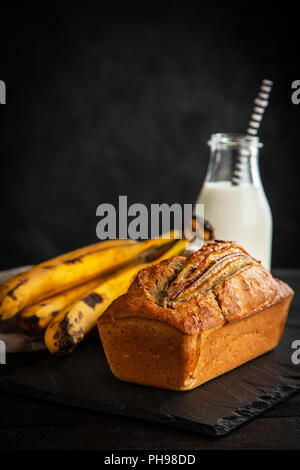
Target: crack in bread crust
[[227, 310]]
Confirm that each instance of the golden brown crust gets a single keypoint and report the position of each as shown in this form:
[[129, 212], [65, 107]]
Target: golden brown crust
[[152, 282], [186, 321], [150, 352], [218, 284]]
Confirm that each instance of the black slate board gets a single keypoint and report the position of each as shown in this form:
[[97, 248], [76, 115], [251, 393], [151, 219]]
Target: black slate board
[[215, 408]]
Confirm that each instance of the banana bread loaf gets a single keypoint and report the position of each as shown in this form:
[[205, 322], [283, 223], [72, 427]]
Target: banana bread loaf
[[187, 320]]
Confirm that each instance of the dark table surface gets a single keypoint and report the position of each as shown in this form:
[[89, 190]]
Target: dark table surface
[[29, 424]]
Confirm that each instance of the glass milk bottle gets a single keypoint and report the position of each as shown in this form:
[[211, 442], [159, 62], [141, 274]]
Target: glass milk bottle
[[233, 196]]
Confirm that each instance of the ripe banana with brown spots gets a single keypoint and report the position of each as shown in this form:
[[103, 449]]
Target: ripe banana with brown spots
[[69, 270], [71, 325]]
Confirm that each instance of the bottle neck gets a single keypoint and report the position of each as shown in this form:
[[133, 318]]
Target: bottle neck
[[238, 164]]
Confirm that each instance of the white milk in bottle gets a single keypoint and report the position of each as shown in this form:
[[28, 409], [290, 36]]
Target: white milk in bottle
[[233, 196]]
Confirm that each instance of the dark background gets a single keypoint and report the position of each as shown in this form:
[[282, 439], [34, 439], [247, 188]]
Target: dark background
[[121, 99]]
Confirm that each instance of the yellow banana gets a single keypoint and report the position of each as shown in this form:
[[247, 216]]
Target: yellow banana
[[74, 322], [67, 271]]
